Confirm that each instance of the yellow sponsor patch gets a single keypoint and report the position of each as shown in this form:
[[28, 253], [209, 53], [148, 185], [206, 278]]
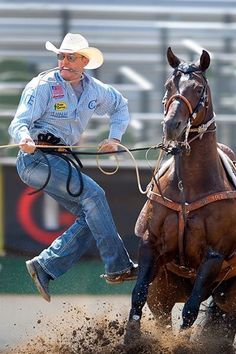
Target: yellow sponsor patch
[[60, 106]]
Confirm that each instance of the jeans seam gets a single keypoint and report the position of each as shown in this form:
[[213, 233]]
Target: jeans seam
[[61, 251]]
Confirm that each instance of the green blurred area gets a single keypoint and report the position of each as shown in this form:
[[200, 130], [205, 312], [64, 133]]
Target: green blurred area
[[83, 278], [11, 72]]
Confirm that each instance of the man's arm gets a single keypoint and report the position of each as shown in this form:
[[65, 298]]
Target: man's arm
[[116, 106], [32, 105]]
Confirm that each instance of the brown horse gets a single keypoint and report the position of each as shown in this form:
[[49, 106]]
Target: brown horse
[[188, 224]]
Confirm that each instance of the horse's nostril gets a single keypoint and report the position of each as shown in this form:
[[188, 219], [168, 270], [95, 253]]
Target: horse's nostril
[[177, 125]]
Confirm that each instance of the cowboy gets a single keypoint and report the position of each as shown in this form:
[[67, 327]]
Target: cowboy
[[55, 108]]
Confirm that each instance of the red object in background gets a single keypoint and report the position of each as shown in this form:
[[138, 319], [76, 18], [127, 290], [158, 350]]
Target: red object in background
[[29, 223], [26, 218]]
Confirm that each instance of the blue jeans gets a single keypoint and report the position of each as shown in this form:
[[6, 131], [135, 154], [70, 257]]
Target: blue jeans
[[94, 218]]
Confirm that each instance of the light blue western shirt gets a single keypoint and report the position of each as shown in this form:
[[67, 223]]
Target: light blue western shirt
[[50, 105]]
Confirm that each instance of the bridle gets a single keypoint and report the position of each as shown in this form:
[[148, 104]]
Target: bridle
[[193, 112], [182, 207], [202, 102]]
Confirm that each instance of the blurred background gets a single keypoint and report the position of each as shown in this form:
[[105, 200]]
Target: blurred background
[[134, 36]]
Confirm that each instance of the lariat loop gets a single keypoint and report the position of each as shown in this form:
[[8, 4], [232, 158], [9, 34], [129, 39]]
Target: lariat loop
[[58, 150]]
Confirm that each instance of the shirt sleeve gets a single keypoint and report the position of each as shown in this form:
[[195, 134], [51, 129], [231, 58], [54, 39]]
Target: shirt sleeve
[[32, 106], [115, 106]]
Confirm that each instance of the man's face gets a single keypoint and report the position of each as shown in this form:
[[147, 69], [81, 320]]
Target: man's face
[[71, 65]]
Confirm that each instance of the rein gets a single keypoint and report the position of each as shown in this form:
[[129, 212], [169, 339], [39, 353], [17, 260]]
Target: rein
[[63, 150], [77, 164]]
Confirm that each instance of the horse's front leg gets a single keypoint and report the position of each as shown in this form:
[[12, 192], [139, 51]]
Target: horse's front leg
[[206, 275], [140, 291]]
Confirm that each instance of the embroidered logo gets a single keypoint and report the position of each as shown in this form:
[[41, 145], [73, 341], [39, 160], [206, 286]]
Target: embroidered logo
[[60, 106], [57, 91], [30, 100], [92, 104], [59, 114]]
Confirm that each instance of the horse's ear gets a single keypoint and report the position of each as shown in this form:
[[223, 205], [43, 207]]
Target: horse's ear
[[204, 60], [173, 60]]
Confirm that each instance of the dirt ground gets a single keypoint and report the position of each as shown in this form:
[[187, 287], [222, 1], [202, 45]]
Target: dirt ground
[[91, 324]]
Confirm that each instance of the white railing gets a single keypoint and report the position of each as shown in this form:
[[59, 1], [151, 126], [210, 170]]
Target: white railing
[[134, 36], [145, 128]]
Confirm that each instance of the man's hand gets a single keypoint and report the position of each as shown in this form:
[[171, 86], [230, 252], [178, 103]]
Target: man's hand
[[27, 145], [109, 145]]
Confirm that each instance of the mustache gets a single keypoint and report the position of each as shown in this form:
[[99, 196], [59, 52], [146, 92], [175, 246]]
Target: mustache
[[70, 70]]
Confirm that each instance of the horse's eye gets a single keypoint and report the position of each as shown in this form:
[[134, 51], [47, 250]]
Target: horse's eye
[[169, 85], [199, 90]]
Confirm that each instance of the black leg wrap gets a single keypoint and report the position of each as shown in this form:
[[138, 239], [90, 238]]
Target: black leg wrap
[[207, 273], [190, 313], [135, 314], [146, 271]]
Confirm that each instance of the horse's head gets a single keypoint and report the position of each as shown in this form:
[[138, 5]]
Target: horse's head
[[187, 99]]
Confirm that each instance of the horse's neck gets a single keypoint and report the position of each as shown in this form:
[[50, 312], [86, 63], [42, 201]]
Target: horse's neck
[[202, 151], [202, 167], [203, 155]]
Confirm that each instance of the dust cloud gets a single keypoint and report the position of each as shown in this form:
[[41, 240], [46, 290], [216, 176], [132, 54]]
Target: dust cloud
[[75, 331]]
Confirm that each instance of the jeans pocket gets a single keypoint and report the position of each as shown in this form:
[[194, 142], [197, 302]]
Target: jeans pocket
[[26, 164]]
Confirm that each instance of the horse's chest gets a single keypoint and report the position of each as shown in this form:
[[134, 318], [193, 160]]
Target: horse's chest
[[168, 230], [195, 239]]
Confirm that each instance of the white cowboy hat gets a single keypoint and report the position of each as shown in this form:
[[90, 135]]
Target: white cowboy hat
[[75, 43]]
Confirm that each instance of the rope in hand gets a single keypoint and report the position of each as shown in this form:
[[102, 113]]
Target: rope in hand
[[125, 149], [98, 153]]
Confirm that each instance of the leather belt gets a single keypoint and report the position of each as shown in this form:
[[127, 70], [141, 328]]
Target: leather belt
[[46, 143]]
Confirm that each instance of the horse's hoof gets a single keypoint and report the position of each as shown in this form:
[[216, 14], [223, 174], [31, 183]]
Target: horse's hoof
[[185, 332], [183, 328], [132, 332]]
